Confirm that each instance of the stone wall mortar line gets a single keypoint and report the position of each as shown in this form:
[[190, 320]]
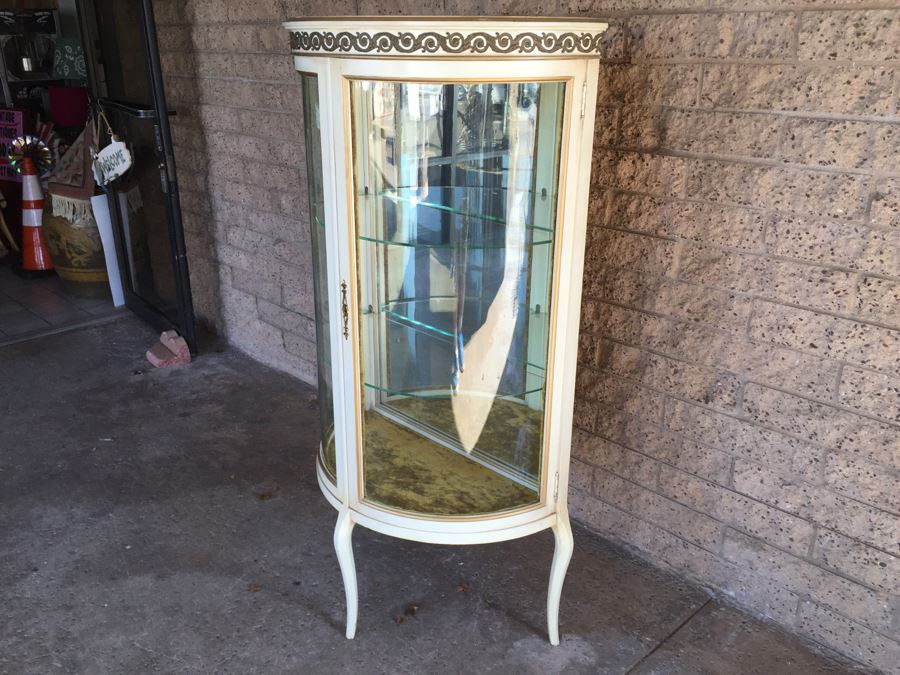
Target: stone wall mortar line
[[819, 601], [789, 114], [873, 193], [741, 415], [861, 221], [747, 160], [275, 325], [692, 574], [243, 79], [746, 333], [805, 557], [817, 65], [726, 524], [834, 315], [698, 99], [263, 161], [244, 206], [258, 53], [739, 404], [798, 20], [821, 486], [678, 321], [277, 113], [709, 9], [850, 303], [897, 91], [837, 384], [664, 528], [674, 269], [298, 218], [822, 7], [597, 495], [810, 553], [804, 262], [816, 563], [653, 486]]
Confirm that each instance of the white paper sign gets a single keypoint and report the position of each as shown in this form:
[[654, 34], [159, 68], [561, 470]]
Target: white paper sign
[[104, 224], [112, 162]]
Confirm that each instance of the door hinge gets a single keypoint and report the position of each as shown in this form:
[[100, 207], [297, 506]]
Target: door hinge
[[583, 97], [556, 485]]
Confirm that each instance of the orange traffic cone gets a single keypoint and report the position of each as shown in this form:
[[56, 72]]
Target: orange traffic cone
[[35, 256]]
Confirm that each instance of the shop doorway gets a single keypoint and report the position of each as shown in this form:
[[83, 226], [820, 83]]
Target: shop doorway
[[126, 84], [121, 78]]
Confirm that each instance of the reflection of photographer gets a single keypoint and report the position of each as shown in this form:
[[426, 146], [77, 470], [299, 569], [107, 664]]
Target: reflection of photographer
[[471, 113]]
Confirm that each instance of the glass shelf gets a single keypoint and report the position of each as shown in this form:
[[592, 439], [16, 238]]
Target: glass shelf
[[439, 218], [403, 313], [446, 395], [436, 197], [452, 247]]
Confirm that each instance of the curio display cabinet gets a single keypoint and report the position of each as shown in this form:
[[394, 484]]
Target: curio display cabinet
[[448, 165]]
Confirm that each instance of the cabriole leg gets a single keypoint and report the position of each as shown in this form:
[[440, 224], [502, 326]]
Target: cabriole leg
[[562, 554], [343, 547]]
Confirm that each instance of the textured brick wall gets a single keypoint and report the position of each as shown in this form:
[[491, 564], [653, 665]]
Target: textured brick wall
[[739, 390], [241, 164]]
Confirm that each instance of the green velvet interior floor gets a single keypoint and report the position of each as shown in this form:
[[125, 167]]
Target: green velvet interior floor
[[512, 433], [407, 471]]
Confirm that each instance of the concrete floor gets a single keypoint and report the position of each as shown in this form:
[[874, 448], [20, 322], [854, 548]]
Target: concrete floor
[[169, 521], [30, 307]]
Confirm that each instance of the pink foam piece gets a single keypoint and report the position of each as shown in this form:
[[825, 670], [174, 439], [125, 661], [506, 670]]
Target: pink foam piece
[[176, 344], [161, 356]]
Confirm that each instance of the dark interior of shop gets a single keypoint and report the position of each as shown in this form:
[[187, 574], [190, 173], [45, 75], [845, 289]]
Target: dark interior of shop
[[91, 222], [45, 97]]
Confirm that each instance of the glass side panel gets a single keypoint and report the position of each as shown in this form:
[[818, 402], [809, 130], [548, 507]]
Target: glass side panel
[[313, 139], [456, 190]]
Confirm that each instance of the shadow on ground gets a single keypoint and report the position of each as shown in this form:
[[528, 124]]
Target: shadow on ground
[[169, 521]]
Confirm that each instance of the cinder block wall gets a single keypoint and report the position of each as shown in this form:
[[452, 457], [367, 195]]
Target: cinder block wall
[[238, 134], [739, 390]]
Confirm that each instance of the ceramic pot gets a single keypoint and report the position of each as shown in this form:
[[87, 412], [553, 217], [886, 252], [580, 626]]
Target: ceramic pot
[[77, 254]]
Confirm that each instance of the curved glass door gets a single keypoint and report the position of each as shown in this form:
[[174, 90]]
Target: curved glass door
[[313, 138], [456, 198]]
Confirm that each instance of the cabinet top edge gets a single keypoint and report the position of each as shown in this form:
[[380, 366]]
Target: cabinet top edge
[[447, 36], [442, 19]]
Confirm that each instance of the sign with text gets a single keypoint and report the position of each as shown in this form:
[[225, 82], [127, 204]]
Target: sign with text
[[112, 162]]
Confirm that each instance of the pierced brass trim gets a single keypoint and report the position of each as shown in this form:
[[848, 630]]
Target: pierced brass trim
[[432, 42]]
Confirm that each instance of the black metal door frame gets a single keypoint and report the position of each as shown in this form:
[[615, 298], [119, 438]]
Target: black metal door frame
[[168, 177]]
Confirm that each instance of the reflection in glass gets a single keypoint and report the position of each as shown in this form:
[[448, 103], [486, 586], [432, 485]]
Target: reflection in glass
[[456, 192], [313, 139], [142, 211], [140, 197]]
